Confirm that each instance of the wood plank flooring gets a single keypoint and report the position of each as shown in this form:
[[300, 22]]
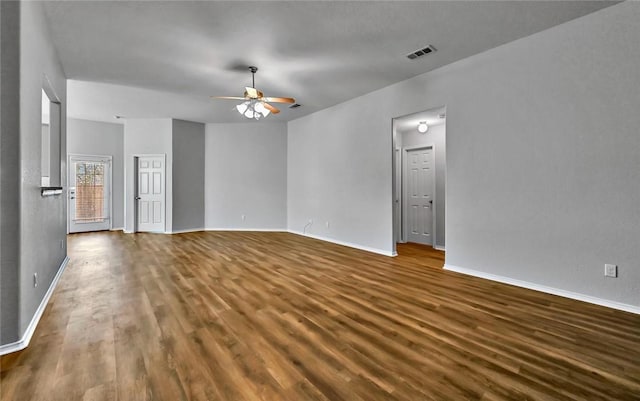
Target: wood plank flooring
[[275, 316]]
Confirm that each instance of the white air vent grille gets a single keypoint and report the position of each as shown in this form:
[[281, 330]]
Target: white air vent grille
[[421, 52]]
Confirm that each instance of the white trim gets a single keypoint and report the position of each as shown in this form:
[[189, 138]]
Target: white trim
[[344, 243], [188, 230], [192, 230], [28, 333], [273, 230], [439, 248], [543, 288], [117, 229]]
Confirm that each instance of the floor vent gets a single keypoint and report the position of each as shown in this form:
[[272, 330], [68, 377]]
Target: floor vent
[[421, 52]]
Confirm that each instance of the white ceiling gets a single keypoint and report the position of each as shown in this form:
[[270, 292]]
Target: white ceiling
[[164, 59]]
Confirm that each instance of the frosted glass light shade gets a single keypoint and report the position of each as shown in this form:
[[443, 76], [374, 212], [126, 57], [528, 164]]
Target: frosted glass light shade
[[253, 108], [423, 127], [242, 107]]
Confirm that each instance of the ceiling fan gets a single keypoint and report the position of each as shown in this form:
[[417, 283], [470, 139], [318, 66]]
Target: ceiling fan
[[255, 104]]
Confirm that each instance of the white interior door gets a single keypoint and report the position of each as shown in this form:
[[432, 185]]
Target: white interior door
[[150, 196], [89, 193], [419, 179]]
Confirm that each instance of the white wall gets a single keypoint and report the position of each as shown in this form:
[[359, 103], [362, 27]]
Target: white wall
[[542, 158], [104, 139], [435, 137], [246, 174], [147, 136], [188, 176]]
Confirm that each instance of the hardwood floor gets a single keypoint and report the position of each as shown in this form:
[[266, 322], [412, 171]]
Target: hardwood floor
[[275, 316]]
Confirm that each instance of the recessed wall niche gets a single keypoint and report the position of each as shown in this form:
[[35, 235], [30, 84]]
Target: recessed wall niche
[[50, 134]]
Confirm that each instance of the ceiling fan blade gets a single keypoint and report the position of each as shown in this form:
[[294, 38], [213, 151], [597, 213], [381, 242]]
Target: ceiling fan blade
[[228, 97], [280, 99], [251, 92], [271, 108]]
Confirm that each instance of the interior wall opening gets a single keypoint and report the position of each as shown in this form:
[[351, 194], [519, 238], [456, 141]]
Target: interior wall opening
[[419, 180]]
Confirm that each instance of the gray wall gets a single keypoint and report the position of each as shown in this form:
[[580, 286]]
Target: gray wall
[[9, 171], [434, 136], [246, 174], [104, 139], [147, 136], [339, 171], [41, 237], [188, 176], [542, 158]]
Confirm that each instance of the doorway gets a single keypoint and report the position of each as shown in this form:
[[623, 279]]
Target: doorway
[[89, 193], [150, 193], [419, 178]]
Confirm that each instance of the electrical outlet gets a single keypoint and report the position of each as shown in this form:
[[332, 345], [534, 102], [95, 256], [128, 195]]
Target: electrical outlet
[[610, 270], [35, 280], [243, 217], [310, 221], [61, 244], [327, 224]]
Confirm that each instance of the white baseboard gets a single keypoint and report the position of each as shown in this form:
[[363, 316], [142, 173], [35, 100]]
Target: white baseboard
[[270, 230], [117, 229], [192, 230], [28, 333], [439, 248], [344, 243], [543, 288], [189, 230]]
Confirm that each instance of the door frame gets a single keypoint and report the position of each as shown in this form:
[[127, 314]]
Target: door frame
[[405, 194], [80, 156], [137, 156]]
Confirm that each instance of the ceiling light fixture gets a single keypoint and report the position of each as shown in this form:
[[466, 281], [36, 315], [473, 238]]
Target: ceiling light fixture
[[253, 108], [254, 105], [423, 127]]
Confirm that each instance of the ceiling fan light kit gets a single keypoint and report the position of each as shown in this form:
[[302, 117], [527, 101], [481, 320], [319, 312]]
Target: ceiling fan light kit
[[255, 105], [253, 109]]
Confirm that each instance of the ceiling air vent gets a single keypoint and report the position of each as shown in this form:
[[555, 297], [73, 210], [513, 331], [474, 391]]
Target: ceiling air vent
[[421, 52], [295, 106]]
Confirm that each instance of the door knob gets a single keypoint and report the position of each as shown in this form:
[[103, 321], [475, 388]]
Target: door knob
[[138, 198]]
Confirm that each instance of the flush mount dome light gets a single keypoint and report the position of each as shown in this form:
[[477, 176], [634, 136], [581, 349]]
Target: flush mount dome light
[[423, 127]]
